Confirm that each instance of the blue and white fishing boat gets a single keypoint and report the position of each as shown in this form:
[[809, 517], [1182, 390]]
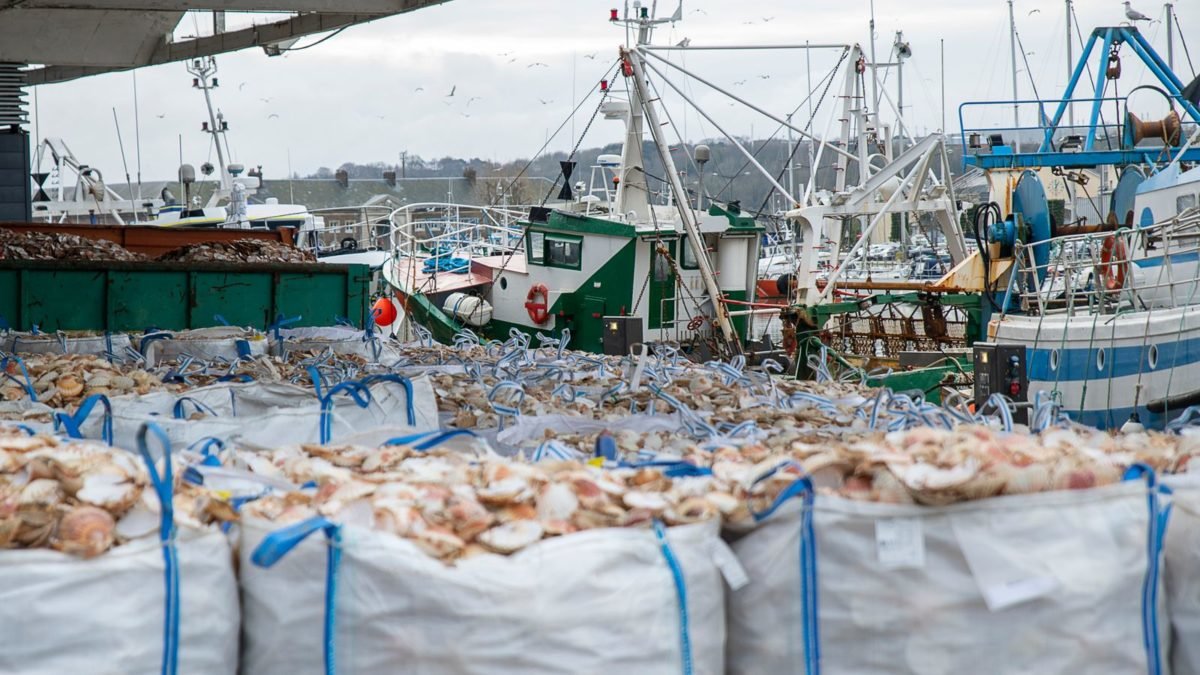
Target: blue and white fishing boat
[[1109, 311]]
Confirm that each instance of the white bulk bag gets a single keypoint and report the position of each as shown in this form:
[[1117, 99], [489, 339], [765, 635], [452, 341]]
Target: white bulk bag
[[339, 339], [599, 601], [159, 603], [227, 343], [268, 414], [1041, 583], [1182, 572], [63, 614], [117, 344], [527, 429]]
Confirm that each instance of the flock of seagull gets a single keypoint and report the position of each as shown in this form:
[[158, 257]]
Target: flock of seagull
[[449, 99]]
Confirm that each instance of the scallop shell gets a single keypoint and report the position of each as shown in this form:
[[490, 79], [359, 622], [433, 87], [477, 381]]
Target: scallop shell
[[110, 491], [438, 542], [513, 536], [41, 492], [85, 531]]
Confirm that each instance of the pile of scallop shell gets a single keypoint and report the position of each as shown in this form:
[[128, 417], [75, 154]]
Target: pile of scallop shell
[[16, 245], [935, 467], [63, 380], [239, 251], [453, 506], [83, 498], [465, 400]]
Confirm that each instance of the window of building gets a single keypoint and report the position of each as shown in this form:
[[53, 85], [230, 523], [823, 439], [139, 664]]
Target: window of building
[[564, 251]]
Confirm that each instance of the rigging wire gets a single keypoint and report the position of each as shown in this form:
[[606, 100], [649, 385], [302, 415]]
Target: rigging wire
[[807, 127], [1183, 41], [608, 73]]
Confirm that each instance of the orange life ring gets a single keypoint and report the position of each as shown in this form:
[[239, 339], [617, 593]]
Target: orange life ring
[[1114, 258], [539, 310]]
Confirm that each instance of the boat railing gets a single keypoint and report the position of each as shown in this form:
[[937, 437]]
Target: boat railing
[[449, 237], [1101, 126], [361, 228], [1099, 273]]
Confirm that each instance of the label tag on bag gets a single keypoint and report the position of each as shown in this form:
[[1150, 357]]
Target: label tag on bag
[[900, 543]]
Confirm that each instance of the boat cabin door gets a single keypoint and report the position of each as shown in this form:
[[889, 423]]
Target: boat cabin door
[[662, 285]]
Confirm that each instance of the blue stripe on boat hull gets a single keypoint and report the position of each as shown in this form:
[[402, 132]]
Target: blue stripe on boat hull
[[1076, 365]]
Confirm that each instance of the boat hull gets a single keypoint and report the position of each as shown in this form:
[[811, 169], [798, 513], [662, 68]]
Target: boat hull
[[1103, 368]]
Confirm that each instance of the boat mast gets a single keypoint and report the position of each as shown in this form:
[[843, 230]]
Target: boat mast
[[633, 193], [634, 60], [1170, 36], [874, 72], [201, 69], [1012, 43], [1070, 62]]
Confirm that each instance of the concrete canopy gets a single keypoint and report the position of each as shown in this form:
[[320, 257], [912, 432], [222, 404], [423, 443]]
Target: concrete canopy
[[77, 38]]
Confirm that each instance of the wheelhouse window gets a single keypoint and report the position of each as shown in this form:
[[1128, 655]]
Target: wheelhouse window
[[564, 251], [1184, 202], [689, 260], [535, 248]]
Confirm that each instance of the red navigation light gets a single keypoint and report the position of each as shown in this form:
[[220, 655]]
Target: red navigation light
[[612, 14], [603, 85]]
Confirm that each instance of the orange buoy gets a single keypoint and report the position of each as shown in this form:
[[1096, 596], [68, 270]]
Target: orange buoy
[[384, 311]]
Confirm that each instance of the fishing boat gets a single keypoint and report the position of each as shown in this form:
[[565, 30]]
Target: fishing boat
[[231, 204], [607, 254], [1108, 310]]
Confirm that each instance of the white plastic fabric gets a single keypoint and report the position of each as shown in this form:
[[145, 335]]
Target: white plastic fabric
[[340, 339], [1182, 553], [601, 601], [528, 429], [204, 344], [49, 343], [265, 414], [105, 616], [1045, 583]]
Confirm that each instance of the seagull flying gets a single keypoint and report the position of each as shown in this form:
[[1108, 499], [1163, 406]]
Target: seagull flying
[[739, 83], [513, 60], [242, 86], [764, 77], [273, 116], [473, 99], [1033, 11], [162, 115], [538, 64], [452, 90], [504, 54], [418, 89], [265, 100], [545, 102], [698, 11], [1134, 15], [590, 57], [767, 19]]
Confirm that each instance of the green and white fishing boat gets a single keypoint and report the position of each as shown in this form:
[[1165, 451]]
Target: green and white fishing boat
[[612, 249]]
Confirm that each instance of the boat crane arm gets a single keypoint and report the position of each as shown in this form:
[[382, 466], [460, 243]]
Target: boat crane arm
[[686, 214]]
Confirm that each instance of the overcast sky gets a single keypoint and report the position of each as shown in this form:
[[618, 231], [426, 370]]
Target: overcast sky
[[355, 97]]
